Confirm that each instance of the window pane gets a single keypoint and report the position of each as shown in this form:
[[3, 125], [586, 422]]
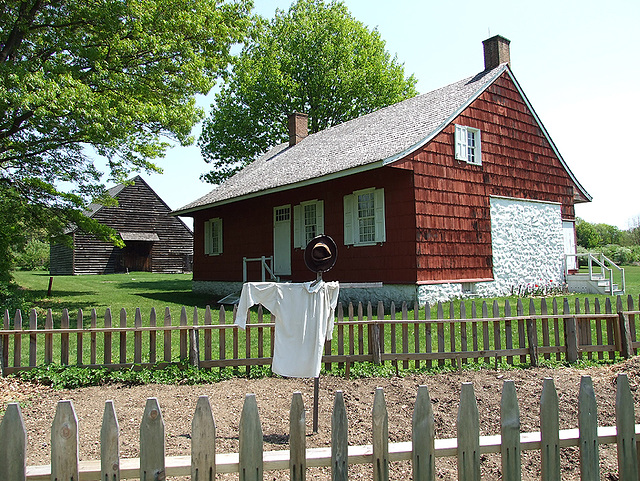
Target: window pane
[[471, 143], [215, 237], [310, 222], [366, 218]]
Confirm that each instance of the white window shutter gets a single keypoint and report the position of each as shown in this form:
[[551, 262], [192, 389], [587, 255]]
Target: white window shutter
[[478, 148], [349, 206], [380, 235], [320, 217], [461, 142], [298, 235], [207, 238], [219, 221]]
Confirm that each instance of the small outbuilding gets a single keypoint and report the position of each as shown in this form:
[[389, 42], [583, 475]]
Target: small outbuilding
[[155, 241]]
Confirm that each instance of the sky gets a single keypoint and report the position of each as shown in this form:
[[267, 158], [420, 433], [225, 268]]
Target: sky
[[578, 62]]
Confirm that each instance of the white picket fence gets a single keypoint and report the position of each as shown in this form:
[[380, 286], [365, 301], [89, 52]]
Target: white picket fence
[[251, 461]]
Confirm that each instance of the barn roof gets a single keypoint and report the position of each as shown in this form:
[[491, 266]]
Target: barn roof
[[364, 143]]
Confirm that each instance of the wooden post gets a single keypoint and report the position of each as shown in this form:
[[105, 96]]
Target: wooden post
[[521, 329], [183, 334], [94, 337], [316, 395], [380, 437], [250, 456], [339, 441], [194, 348], [152, 443], [79, 338], [137, 337], [571, 334], [207, 334], [510, 433], [107, 337], [549, 432], [625, 421], [123, 336], [5, 340], [64, 442], [588, 425], [624, 330], [17, 339], [297, 439], [532, 335], [109, 444], [468, 435], [203, 442], [153, 336], [423, 437], [33, 324], [13, 454], [167, 335]]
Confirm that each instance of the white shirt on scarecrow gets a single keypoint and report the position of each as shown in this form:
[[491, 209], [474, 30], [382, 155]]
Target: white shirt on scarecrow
[[304, 320]]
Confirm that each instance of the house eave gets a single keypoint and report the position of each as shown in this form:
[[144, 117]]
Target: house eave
[[283, 188]]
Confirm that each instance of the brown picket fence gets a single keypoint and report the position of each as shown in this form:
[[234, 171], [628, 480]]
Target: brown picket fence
[[408, 336], [203, 462]]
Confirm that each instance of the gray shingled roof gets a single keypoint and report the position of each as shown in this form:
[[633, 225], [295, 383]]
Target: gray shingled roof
[[379, 137]]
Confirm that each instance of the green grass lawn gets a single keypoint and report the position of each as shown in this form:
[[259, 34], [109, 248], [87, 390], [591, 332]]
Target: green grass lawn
[[146, 291]]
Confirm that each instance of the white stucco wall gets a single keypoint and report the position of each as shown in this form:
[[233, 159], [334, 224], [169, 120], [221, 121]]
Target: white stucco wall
[[528, 251]]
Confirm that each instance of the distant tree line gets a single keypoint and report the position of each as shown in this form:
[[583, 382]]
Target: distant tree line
[[621, 246]]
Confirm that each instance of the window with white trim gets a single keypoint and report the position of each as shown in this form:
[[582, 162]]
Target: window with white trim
[[213, 237], [364, 217], [467, 141], [308, 222]]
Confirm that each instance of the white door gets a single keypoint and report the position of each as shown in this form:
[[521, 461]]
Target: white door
[[569, 233], [282, 240]]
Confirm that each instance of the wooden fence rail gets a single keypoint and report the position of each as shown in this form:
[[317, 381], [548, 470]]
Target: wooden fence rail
[[251, 461], [403, 338]]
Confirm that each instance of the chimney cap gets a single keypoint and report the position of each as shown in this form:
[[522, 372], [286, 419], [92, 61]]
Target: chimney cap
[[496, 52]]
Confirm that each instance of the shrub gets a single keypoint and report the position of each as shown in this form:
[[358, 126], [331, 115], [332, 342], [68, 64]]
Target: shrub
[[35, 256]]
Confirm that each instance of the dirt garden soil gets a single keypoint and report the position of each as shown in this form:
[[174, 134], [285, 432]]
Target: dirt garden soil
[[273, 395]]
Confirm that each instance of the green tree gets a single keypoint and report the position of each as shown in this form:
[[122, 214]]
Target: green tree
[[317, 59], [587, 235], [112, 77]]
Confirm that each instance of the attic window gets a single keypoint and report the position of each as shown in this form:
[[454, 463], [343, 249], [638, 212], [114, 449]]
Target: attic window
[[467, 141]]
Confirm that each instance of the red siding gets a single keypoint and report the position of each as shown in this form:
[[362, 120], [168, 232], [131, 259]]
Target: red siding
[[248, 232], [452, 197]]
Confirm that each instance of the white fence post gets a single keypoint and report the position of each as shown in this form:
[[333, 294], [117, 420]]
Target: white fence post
[[588, 425], [110, 444], [203, 442], [64, 442], [152, 443], [468, 435], [13, 453]]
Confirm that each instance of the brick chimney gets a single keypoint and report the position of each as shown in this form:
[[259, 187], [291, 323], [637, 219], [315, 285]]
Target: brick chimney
[[496, 52], [298, 127]]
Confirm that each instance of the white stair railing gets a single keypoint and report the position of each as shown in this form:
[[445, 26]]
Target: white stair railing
[[266, 266], [601, 268]]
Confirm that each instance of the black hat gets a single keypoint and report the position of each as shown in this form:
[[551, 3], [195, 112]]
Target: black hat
[[321, 253]]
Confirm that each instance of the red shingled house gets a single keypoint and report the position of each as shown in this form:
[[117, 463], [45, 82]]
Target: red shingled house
[[459, 191]]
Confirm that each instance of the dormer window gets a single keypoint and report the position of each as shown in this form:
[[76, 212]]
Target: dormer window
[[468, 145]]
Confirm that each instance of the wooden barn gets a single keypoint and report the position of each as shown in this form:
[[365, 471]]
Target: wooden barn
[[155, 240], [456, 192]]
